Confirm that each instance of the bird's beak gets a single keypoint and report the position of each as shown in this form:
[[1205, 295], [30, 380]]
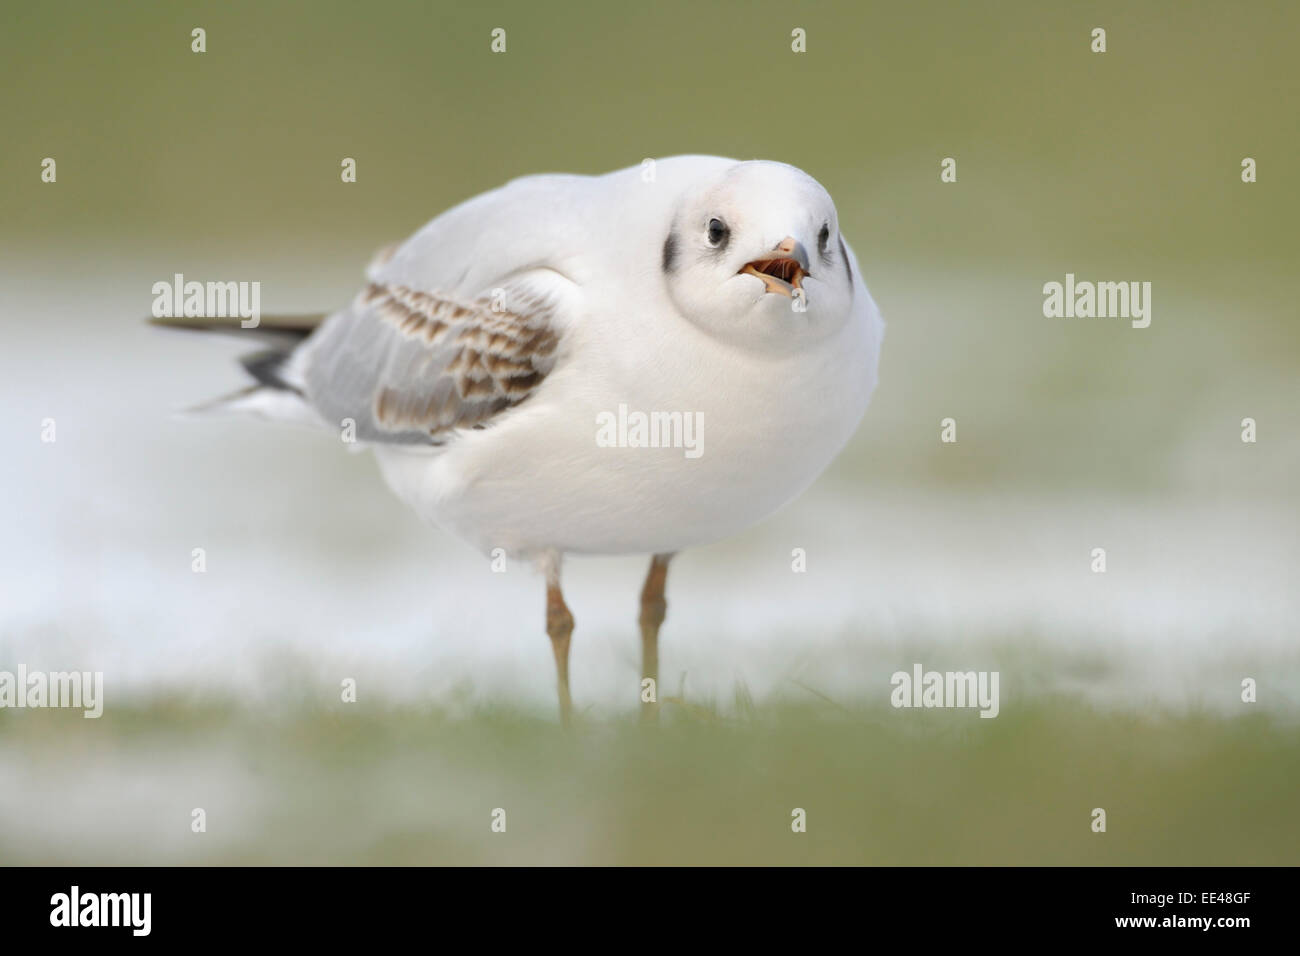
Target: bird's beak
[[783, 271]]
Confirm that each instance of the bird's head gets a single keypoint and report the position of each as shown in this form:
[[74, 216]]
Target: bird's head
[[754, 255]]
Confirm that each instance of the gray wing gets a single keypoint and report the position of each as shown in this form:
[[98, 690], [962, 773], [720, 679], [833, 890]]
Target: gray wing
[[411, 366], [459, 323]]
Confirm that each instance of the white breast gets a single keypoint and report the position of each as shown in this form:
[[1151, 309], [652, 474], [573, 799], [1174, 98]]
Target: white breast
[[539, 480]]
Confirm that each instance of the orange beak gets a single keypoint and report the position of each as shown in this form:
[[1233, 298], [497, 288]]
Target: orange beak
[[783, 272]]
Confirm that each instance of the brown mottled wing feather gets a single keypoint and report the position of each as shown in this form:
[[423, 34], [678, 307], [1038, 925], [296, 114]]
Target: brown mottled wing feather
[[462, 321], [412, 366]]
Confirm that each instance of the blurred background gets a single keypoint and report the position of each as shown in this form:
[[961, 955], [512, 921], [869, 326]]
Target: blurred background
[[1119, 690]]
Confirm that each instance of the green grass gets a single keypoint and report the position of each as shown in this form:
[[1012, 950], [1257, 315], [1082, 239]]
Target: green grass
[[400, 785]]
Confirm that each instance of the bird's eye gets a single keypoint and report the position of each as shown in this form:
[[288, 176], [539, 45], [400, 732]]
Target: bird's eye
[[718, 233], [823, 238]]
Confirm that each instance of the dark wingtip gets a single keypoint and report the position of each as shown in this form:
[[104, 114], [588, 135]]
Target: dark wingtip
[[301, 325], [169, 322], [266, 367]]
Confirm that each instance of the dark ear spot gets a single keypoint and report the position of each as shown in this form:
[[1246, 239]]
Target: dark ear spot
[[670, 252], [848, 266]]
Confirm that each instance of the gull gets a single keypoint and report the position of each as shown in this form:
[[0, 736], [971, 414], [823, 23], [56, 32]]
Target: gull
[[486, 358]]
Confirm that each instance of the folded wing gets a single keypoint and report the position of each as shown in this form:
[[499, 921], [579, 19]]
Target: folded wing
[[459, 324]]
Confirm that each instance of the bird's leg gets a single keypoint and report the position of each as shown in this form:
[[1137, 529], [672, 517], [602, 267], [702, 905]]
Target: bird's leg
[[653, 609], [559, 625]]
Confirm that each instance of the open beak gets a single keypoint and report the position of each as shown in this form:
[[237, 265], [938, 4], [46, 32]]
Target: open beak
[[783, 271]]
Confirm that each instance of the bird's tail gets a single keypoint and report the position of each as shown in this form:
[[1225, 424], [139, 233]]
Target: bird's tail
[[274, 393]]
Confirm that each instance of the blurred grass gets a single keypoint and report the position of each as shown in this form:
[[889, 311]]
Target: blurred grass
[[409, 785]]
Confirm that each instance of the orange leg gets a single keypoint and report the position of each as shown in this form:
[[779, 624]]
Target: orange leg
[[559, 625], [653, 610]]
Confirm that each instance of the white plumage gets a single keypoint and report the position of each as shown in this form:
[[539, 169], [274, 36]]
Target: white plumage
[[484, 351]]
